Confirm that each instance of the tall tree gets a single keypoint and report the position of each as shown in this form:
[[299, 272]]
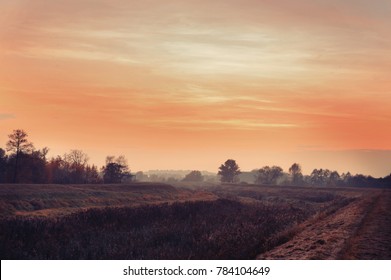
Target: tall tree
[[334, 179], [75, 163], [92, 175], [32, 168], [56, 172], [3, 165], [295, 171], [346, 178], [18, 144], [229, 171], [115, 170]]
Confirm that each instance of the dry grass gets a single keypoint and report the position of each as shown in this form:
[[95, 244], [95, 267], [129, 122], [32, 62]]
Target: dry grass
[[372, 238], [54, 200], [356, 230], [220, 229], [324, 220]]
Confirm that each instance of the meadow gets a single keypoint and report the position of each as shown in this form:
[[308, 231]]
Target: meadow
[[190, 221]]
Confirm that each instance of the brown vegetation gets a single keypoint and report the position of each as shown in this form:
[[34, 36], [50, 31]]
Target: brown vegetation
[[159, 221], [221, 229], [54, 200], [360, 230]]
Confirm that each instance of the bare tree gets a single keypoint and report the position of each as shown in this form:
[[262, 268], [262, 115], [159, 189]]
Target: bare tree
[[18, 144], [75, 163], [76, 157]]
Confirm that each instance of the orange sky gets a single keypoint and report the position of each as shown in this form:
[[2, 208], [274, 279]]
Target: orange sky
[[189, 84]]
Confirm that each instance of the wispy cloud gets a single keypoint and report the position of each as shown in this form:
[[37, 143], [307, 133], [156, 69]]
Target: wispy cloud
[[6, 116], [219, 124]]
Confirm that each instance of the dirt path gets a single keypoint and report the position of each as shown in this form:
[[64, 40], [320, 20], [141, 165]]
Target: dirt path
[[372, 239], [360, 230]]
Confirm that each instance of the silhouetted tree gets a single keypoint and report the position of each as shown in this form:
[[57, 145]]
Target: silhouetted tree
[[56, 171], [91, 175], [295, 172], [334, 179], [387, 181], [194, 176], [268, 175], [360, 180], [3, 166], [229, 171], [320, 177], [115, 170], [345, 178], [34, 167], [18, 144], [325, 177], [75, 163]]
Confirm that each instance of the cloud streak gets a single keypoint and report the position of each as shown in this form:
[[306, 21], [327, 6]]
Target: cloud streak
[[6, 116]]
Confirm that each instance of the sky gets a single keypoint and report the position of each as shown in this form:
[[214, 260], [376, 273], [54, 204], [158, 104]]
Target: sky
[[190, 84]]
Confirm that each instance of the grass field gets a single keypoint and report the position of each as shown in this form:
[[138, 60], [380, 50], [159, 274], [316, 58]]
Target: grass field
[[59, 200], [159, 221]]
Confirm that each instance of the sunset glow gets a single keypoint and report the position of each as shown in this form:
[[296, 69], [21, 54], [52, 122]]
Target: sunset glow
[[189, 84]]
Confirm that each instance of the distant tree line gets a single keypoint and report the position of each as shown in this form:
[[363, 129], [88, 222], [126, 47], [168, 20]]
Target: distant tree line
[[176, 176], [21, 162], [230, 173]]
